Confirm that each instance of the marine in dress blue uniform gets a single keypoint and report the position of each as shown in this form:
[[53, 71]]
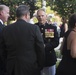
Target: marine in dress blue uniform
[[51, 40]]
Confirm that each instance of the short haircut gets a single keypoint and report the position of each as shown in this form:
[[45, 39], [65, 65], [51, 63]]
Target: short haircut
[[72, 21], [41, 9], [2, 7], [22, 10]]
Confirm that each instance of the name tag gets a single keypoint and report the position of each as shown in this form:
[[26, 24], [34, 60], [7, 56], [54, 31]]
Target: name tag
[[49, 33]]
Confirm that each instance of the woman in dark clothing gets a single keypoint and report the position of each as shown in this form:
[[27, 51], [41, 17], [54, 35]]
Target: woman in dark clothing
[[63, 27], [67, 65]]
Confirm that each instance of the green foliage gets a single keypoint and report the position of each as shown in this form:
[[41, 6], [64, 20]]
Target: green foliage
[[64, 7], [35, 20], [59, 57], [58, 54], [57, 63], [13, 4], [38, 4], [48, 10]]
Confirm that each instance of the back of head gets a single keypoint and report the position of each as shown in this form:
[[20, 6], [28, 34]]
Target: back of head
[[22, 10], [64, 20], [72, 21]]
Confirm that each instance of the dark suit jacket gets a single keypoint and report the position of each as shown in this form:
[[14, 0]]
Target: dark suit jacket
[[25, 49], [51, 40], [2, 65], [1, 26]]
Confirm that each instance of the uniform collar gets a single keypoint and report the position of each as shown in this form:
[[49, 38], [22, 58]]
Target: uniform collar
[[42, 24]]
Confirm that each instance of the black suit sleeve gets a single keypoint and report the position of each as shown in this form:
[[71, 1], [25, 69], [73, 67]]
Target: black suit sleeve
[[54, 42], [39, 47], [2, 55]]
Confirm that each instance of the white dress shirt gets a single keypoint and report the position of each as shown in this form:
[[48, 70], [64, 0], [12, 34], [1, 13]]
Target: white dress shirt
[[1, 21]]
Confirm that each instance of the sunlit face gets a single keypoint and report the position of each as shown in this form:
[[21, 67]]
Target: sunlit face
[[41, 16], [5, 14]]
